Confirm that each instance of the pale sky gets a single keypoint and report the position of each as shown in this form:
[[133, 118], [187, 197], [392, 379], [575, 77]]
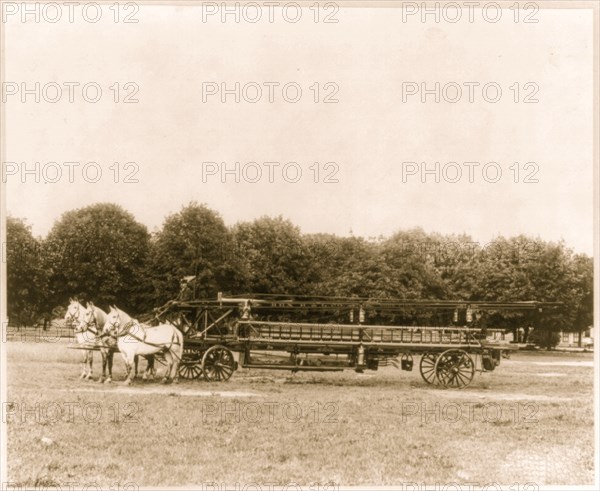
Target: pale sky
[[369, 133]]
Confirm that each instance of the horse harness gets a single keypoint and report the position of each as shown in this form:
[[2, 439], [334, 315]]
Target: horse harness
[[90, 326], [87, 325], [127, 332]]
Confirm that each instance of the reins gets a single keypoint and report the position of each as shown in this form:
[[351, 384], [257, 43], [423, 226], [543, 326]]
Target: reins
[[90, 326]]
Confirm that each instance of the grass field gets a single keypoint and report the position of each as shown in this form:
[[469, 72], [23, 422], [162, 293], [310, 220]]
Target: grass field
[[530, 421]]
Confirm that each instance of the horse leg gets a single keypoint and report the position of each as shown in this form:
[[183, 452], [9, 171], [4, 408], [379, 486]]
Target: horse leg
[[109, 356], [83, 363], [150, 367], [145, 374], [177, 355], [150, 372], [128, 368], [90, 361], [169, 359], [136, 361], [132, 360], [91, 374], [104, 355], [176, 362]]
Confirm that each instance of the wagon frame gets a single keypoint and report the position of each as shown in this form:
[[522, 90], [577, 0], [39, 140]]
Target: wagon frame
[[223, 335]]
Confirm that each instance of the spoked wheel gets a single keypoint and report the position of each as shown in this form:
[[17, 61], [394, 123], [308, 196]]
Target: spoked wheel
[[191, 364], [427, 367], [455, 369], [218, 364]]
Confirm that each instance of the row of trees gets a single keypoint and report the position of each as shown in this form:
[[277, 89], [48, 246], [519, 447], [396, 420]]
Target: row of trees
[[101, 252]]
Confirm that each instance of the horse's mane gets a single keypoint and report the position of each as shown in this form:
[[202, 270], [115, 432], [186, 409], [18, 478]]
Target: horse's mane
[[99, 314], [125, 318]]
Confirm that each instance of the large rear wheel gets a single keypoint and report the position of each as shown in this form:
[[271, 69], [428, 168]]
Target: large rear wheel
[[454, 369]]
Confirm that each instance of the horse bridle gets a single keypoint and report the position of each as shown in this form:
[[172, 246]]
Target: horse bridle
[[114, 329], [71, 318], [86, 327]]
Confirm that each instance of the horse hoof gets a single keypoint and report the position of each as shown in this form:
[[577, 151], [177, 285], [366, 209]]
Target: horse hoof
[[165, 380], [108, 381], [127, 382], [100, 380]]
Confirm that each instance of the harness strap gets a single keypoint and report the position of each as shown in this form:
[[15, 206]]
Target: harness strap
[[164, 347], [89, 326]]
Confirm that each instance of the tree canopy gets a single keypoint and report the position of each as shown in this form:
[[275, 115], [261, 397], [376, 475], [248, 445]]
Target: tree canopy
[[98, 252], [102, 253], [26, 276], [193, 242]]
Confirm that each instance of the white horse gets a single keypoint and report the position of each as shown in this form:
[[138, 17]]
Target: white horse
[[134, 340], [74, 318], [95, 318], [88, 323]]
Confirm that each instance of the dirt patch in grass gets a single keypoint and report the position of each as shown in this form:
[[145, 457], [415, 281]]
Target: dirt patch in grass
[[555, 363], [498, 396], [160, 390], [547, 464]]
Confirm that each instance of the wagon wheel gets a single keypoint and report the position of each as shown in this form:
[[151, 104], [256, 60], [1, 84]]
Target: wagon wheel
[[218, 364], [427, 367], [455, 369], [191, 364]]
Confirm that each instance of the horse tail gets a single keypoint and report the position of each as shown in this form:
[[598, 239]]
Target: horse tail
[[178, 346], [176, 351]]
